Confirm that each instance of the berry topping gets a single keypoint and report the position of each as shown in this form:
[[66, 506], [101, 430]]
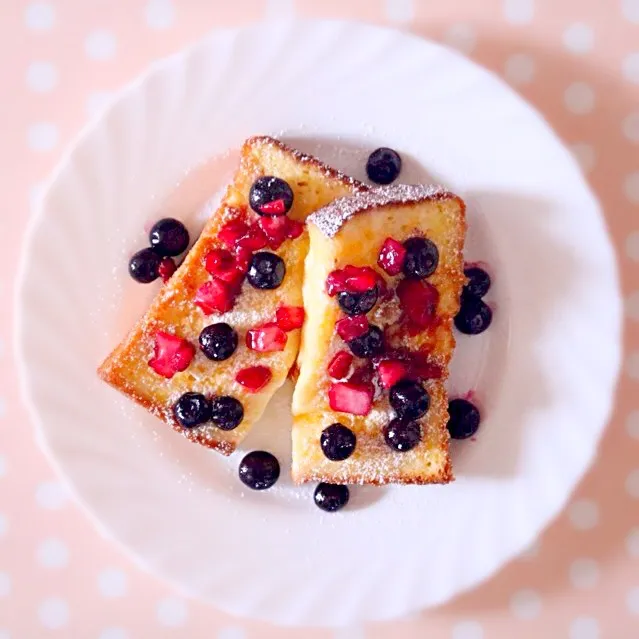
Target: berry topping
[[266, 339], [337, 442], [418, 301], [463, 420], [259, 470], [409, 399], [357, 303], [166, 269], [383, 166], [169, 237], [402, 435], [478, 282], [192, 409], [474, 316], [350, 397], [424, 369], [369, 344], [349, 328], [144, 266], [266, 270], [355, 279], [172, 354], [294, 229], [340, 365], [226, 412], [254, 239], [225, 266], [275, 229], [290, 317], [391, 371], [422, 258], [391, 256], [254, 378], [270, 196], [331, 497], [215, 296], [232, 231], [218, 341]]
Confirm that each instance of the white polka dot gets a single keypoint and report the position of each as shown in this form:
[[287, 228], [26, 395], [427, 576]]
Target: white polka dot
[[632, 306], [631, 187], [100, 45], [461, 36], [399, 10], [5, 584], [467, 630], [42, 136], [632, 543], [519, 11], [630, 127], [632, 601], [632, 246], [579, 98], [525, 604], [632, 421], [632, 483], [231, 632], [519, 69], [97, 101], [578, 38], [584, 514], [39, 16], [630, 67], [585, 155], [52, 553], [53, 613], [42, 76], [630, 10], [584, 573], [4, 525], [52, 495], [112, 582], [632, 365], [171, 612], [159, 14], [3, 465], [584, 628], [114, 633]]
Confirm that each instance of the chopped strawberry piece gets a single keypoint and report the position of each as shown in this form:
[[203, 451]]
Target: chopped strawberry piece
[[391, 371], [243, 257], [361, 280], [290, 317], [419, 301], [348, 397], [339, 366], [391, 256], [215, 296], [294, 229], [336, 282], [166, 269], [266, 339], [172, 354], [276, 207], [254, 378], [224, 265], [275, 229], [232, 231], [351, 327], [254, 239]]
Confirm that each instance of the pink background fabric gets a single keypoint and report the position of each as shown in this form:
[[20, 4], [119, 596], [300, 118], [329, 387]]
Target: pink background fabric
[[577, 61]]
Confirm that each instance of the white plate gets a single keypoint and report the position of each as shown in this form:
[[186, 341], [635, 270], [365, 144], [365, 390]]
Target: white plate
[[545, 383]]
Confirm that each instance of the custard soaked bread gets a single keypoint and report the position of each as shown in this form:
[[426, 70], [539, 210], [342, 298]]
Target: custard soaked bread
[[222, 334], [382, 284]]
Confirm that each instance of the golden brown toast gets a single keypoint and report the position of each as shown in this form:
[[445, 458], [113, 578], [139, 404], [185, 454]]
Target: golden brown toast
[[174, 312], [415, 315]]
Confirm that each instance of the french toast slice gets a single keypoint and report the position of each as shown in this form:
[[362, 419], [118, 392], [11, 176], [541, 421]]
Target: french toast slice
[[380, 303], [160, 360]]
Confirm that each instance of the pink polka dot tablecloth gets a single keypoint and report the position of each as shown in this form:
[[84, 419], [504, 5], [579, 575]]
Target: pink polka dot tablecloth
[[576, 61]]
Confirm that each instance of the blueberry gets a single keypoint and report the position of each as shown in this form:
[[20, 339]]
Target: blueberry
[[402, 435], [409, 399], [383, 165], [218, 341], [474, 316], [370, 344], [463, 419], [259, 470], [478, 281], [192, 409], [226, 412], [270, 196], [169, 237], [357, 303], [331, 497], [337, 442], [144, 265], [266, 270], [422, 258]]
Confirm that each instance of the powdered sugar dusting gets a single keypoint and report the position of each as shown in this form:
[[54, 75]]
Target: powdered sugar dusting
[[330, 219]]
